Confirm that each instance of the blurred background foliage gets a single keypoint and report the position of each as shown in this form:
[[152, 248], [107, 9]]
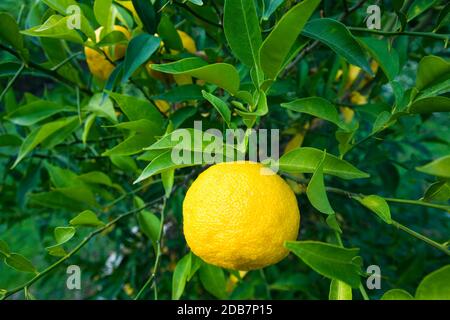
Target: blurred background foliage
[[117, 263]]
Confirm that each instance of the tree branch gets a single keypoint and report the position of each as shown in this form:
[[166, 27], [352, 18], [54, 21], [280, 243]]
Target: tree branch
[[41, 274]]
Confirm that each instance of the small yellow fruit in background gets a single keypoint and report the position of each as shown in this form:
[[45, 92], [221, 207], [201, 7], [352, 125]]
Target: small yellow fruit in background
[[236, 217], [187, 41], [162, 105], [99, 66]]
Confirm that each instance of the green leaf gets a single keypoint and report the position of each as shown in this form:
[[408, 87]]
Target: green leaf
[[20, 263], [36, 111], [223, 75], [169, 34], [386, 56], [397, 294], [377, 205], [261, 107], [43, 134], [86, 218], [329, 260], [339, 291], [181, 93], [432, 70], [270, 6], [431, 104], [168, 178], [139, 50], [9, 140], [136, 109], [4, 248], [241, 27], [10, 33], [439, 167], [147, 14], [336, 35], [277, 46], [438, 191], [219, 105], [306, 160], [162, 163], [60, 5], [132, 145], [180, 276], [55, 27], [333, 223], [317, 107], [149, 224], [316, 192], [435, 285], [124, 163], [102, 11], [381, 122], [418, 7], [102, 107], [213, 280], [64, 234]]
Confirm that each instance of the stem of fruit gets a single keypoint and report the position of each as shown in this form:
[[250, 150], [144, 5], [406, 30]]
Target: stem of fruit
[[41, 274], [11, 82], [152, 278]]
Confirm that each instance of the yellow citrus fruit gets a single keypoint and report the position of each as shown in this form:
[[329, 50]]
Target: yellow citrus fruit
[[237, 216], [99, 66], [162, 105], [187, 41]]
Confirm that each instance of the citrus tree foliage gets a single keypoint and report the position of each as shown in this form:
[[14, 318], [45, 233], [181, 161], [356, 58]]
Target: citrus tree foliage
[[86, 115]]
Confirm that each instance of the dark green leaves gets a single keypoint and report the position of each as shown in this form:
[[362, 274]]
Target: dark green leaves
[[15, 260], [50, 133], [329, 260], [20, 263], [148, 15], [10, 33], [242, 30], [276, 47], [430, 105], [223, 75], [384, 54], [139, 50], [317, 107], [306, 160], [336, 35]]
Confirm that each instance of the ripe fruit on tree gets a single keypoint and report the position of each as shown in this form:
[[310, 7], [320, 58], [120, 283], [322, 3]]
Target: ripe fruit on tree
[[98, 64], [236, 215]]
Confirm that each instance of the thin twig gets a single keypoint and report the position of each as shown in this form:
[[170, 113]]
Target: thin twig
[[41, 274], [53, 74], [152, 278], [402, 33]]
